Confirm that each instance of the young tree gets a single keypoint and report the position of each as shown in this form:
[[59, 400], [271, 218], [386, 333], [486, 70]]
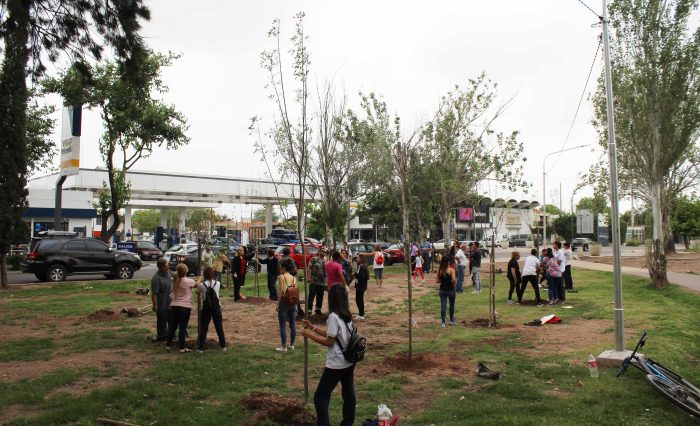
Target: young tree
[[135, 122], [685, 221], [40, 29], [656, 75]]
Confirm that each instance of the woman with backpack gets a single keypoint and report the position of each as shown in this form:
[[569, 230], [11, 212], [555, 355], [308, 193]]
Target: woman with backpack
[[361, 276], [180, 307], [336, 333], [446, 279], [211, 309], [287, 304]]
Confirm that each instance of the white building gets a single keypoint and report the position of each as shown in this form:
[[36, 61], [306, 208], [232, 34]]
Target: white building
[[78, 213]]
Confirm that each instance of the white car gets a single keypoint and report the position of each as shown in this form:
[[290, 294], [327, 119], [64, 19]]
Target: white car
[[178, 249], [499, 242], [439, 245]]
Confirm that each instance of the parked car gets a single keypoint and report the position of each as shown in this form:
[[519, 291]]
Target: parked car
[[584, 243], [498, 242], [439, 245], [313, 241], [296, 253], [283, 236], [484, 251], [146, 250], [366, 250], [189, 258], [178, 249], [53, 258], [395, 253]]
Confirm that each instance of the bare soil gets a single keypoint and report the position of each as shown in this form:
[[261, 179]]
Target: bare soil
[[278, 409], [677, 262]]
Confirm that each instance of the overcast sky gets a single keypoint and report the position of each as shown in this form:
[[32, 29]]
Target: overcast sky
[[411, 52]]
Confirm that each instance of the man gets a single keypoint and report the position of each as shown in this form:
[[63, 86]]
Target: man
[[317, 278], [475, 263], [218, 264], [461, 259], [426, 252], [561, 261], [161, 287], [271, 261], [207, 257]]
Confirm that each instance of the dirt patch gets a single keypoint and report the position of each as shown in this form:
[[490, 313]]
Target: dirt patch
[[256, 301], [13, 411], [277, 409], [104, 315], [426, 364], [564, 338], [677, 262]]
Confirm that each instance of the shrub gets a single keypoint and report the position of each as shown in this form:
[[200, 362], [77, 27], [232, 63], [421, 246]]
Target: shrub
[[633, 243], [13, 261]]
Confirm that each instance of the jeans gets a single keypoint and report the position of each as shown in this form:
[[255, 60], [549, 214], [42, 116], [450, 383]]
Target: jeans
[[514, 285], [207, 316], [271, 288], [217, 276], [532, 279], [568, 281], [162, 317], [460, 278], [476, 277], [287, 314], [322, 396], [444, 296], [426, 263], [315, 292], [179, 318], [561, 293], [360, 299], [553, 284], [237, 284]]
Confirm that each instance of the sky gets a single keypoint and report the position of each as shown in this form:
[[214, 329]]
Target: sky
[[410, 52]]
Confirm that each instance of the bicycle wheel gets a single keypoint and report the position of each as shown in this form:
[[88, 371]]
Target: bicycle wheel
[[685, 397], [673, 376]]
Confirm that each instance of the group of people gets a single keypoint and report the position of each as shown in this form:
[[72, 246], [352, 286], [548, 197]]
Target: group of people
[[463, 259], [553, 266]]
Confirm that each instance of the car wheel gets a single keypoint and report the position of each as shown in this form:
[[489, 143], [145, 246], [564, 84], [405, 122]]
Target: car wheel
[[56, 273], [125, 271]]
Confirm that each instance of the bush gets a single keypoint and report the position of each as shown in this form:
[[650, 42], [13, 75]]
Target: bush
[[13, 261], [633, 243]]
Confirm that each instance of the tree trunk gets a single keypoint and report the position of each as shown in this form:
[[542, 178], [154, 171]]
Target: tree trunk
[[407, 254], [3, 269], [656, 258], [445, 218]]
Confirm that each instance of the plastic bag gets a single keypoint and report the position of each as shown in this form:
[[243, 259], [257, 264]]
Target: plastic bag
[[383, 412]]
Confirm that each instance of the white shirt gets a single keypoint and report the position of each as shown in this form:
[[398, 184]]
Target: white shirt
[[559, 255], [214, 284], [530, 267], [376, 255], [337, 328], [419, 261], [461, 258]]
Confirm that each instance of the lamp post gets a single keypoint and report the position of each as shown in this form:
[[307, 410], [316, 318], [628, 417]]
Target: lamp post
[[544, 192]]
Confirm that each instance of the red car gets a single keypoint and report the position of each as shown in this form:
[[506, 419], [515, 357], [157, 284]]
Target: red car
[[296, 254], [395, 253]]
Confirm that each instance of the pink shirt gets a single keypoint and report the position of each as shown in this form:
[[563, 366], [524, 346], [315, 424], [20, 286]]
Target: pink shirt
[[183, 295], [334, 273]]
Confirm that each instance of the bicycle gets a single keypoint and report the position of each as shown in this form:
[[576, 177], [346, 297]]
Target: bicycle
[[665, 380]]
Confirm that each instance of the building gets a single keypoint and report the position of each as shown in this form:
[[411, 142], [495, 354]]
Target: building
[[78, 213]]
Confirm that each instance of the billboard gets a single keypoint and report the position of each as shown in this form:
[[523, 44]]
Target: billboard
[[513, 219], [70, 140], [584, 222], [471, 214]]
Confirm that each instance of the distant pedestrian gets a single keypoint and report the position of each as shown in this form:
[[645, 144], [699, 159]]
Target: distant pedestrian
[[426, 252], [316, 276], [530, 276], [161, 287], [207, 257], [461, 263], [419, 269], [569, 255], [553, 277], [414, 253], [446, 279], [514, 277], [561, 261], [347, 266], [475, 263], [180, 307], [378, 266], [272, 262], [220, 260], [334, 271], [336, 333], [239, 267], [361, 279], [286, 313], [211, 309]]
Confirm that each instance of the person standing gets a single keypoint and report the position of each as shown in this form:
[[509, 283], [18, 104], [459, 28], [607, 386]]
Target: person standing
[[461, 262], [180, 307], [286, 313], [530, 276], [561, 261], [568, 255], [378, 266], [426, 252], [446, 280], [338, 369], [334, 271], [419, 269], [211, 309], [514, 277], [239, 266], [553, 276], [207, 257], [347, 266], [317, 277], [361, 279], [272, 262], [414, 253], [161, 287], [475, 263], [219, 261]]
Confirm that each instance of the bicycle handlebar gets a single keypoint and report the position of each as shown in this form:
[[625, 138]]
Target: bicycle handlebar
[[626, 362]]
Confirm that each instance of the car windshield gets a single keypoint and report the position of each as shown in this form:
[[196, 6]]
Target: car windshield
[[145, 245], [394, 247]]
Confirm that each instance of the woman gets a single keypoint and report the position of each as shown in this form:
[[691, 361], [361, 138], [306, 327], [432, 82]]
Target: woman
[[238, 270], [180, 307], [514, 277], [361, 276], [286, 313], [553, 276], [211, 311], [378, 266], [338, 369], [446, 279]]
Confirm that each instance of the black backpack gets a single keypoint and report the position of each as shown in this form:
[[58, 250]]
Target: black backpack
[[211, 300], [357, 346]]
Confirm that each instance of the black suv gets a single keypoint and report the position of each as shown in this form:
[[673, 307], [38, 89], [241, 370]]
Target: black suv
[[54, 257]]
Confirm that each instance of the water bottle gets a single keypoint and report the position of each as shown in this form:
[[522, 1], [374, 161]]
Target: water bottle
[[592, 366]]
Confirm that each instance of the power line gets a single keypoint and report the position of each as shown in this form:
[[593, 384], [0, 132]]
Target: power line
[[589, 8], [578, 107]]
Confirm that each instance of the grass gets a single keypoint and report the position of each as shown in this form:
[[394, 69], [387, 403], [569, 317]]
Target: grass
[[535, 387]]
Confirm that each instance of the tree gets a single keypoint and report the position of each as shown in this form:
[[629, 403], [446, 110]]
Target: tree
[[46, 29], [685, 221], [380, 207], [40, 145], [656, 76], [564, 226], [260, 215], [135, 122]]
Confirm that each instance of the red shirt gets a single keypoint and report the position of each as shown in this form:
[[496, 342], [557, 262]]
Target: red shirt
[[334, 273], [243, 265]]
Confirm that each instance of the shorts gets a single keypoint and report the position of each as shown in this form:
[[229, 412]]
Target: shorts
[[378, 273]]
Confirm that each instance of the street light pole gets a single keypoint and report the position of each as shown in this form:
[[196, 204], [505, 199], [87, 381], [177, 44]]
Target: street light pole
[[544, 192]]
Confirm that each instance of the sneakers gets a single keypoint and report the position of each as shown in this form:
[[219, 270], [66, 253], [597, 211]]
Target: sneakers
[[281, 349], [510, 302], [360, 317], [452, 323], [443, 325]]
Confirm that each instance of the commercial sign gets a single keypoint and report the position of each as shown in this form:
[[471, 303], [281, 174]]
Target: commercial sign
[[471, 214], [70, 140], [513, 219], [584, 222]]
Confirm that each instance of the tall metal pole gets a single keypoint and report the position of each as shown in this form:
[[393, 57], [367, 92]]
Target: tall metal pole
[[57, 215], [612, 159]]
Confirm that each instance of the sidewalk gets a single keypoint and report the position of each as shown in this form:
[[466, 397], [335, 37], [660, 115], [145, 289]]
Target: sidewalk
[[689, 281]]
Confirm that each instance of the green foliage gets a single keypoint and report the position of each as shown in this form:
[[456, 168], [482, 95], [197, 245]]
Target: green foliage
[[564, 226], [259, 215], [13, 261], [685, 221], [40, 145], [633, 243]]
